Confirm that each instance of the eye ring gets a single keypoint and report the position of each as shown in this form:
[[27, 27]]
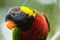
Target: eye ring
[[13, 15]]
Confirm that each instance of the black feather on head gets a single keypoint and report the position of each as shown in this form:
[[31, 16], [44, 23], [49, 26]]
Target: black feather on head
[[23, 20]]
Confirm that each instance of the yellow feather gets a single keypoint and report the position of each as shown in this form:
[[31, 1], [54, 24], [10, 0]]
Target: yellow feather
[[28, 11]]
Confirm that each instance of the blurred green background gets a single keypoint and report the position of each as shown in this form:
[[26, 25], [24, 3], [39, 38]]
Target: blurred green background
[[49, 7]]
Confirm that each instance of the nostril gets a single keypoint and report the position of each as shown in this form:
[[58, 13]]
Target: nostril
[[13, 14]]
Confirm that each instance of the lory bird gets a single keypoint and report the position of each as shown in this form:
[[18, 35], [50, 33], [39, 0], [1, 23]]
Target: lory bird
[[27, 24]]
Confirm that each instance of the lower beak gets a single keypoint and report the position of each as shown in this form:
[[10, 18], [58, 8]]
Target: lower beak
[[10, 24]]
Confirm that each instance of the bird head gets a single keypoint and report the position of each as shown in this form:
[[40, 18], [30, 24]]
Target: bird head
[[20, 16]]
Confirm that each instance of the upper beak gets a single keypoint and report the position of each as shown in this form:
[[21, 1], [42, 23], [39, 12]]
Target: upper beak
[[10, 24]]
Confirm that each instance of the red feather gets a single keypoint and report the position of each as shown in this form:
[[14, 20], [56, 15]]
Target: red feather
[[38, 31]]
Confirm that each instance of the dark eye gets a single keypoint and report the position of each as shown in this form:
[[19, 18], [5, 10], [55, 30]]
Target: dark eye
[[13, 15]]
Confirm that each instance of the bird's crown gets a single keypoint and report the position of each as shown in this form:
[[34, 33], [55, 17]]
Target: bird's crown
[[28, 11]]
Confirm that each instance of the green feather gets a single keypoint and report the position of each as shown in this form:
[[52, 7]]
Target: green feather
[[16, 34]]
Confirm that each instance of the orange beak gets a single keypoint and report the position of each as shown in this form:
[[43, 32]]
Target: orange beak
[[10, 24]]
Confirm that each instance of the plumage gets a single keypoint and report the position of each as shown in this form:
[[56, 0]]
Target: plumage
[[38, 31], [29, 24]]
